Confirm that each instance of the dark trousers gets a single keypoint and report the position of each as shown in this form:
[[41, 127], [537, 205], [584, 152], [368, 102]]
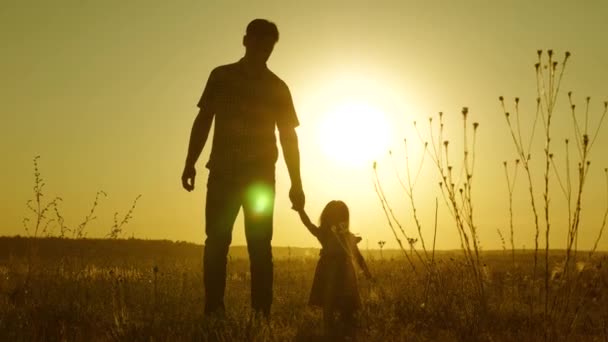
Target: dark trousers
[[225, 196]]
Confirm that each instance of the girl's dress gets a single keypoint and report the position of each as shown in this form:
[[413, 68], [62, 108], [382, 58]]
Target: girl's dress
[[335, 281]]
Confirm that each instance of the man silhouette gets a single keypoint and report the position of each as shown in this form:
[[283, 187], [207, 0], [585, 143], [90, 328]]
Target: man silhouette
[[248, 102]]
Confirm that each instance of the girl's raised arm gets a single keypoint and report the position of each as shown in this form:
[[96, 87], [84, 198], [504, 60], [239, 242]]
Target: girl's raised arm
[[314, 230], [361, 262]]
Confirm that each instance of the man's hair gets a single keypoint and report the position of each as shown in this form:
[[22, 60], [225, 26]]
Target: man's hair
[[263, 28]]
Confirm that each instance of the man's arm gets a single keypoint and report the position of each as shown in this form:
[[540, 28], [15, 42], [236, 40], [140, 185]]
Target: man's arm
[[198, 138], [291, 152]]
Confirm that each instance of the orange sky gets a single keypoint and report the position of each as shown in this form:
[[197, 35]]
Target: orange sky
[[106, 91]]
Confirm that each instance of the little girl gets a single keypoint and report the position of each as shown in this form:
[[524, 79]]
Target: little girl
[[335, 283]]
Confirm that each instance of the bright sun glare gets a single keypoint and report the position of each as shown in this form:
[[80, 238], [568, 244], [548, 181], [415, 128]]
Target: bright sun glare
[[354, 133]]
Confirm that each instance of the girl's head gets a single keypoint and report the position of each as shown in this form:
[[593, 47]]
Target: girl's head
[[335, 214]]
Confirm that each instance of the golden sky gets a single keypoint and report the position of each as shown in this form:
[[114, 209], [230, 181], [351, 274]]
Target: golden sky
[[106, 92]]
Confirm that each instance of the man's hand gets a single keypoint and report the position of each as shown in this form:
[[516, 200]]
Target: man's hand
[[296, 195], [188, 177]]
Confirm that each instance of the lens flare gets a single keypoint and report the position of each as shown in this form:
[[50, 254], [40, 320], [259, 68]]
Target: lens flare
[[260, 197]]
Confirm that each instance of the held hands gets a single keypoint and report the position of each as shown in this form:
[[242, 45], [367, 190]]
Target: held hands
[[188, 177], [296, 195]]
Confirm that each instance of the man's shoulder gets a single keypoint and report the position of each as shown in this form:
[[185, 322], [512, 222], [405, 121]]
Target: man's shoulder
[[225, 69], [276, 79]]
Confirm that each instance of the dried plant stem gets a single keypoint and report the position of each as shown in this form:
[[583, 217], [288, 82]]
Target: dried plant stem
[[385, 208], [511, 188], [603, 225]]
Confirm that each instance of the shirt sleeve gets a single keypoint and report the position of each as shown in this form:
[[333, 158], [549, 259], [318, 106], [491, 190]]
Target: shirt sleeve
[[287, 117], [209, 96]]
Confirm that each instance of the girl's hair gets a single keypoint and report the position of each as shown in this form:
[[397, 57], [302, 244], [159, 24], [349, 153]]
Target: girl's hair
[[334, 213]]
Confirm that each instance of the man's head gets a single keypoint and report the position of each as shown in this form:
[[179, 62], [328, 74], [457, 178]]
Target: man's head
[[259, 39]]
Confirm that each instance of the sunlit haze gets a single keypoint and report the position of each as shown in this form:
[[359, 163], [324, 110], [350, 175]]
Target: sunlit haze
[[106, 92]]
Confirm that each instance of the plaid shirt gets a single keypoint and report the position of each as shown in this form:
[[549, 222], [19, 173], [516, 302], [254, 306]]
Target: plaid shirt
[[247, 106]]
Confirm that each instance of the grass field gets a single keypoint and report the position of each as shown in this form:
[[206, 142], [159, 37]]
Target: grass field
[[63, 289]]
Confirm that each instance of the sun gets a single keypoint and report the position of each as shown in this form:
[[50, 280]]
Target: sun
[[354, 133]]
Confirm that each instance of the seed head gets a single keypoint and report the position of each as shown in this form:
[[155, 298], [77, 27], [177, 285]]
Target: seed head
[[550, 52], [465, 111], [375, 164], [568, 54], [516, 161], [537, 66], [475, 125], [507, 114], [517, 100], [539, 52], [588, 98], [445, 143], [504, 163], [500, 98]]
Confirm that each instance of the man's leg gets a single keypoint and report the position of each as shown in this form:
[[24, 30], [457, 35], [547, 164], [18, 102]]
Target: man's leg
[[221, 209], [258, 207]]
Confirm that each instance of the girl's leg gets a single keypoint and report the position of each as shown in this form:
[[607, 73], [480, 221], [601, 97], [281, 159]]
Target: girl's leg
[[328, 321], [349, 323]]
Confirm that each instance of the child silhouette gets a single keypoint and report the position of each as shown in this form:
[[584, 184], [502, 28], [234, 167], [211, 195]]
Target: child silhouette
[[334, 287]]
